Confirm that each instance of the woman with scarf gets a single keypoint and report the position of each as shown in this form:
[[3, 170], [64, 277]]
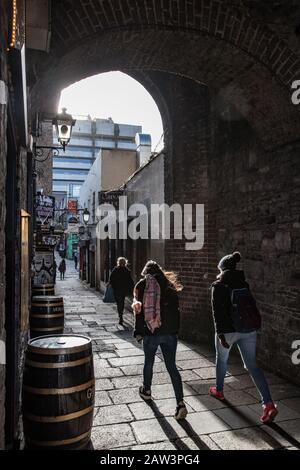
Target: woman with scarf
[[156, 307]]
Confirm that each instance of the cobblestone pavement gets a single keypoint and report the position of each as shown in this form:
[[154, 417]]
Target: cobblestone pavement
[[123, 420]]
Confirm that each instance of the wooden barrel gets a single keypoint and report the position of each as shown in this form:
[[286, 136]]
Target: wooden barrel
[[43, 289], [58, 392], [46, 316]]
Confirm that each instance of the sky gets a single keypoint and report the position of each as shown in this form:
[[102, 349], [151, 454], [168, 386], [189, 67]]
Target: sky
[[118, 96]]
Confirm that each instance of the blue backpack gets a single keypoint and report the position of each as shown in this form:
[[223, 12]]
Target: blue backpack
[[244, 313]]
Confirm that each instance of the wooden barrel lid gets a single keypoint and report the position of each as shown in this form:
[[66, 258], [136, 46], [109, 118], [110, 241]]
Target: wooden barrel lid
[[59, 344]]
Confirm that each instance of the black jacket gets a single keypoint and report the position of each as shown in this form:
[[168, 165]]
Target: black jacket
[[220, 298], [169, 310], [121, 280]]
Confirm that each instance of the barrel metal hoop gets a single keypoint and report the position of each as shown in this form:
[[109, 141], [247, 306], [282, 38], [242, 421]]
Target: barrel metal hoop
[[58, 365], [58, 419], [47, 304], [56, 328], [58, 351], [62, 442], [55, 315], [40, 285], [59, 391]]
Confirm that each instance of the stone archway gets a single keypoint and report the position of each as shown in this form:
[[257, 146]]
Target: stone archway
[[229, 72]]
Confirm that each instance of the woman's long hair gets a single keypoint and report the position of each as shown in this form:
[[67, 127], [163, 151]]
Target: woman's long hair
[[170, 278]]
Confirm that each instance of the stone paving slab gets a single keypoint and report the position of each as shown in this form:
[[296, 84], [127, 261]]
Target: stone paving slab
[[108, 372], [128, 361], [112, 436], [156, 430], [112, 415], [292, 427], [160, 408], [137, 369], [194, 363], [104, 384], [293, 403], [125, 395], [102, 398], [204, 402], [107, 355], [285, 413], [130, 352], [167, 445], [244, 439], [124, 421], [205, 422], [196, 443], [121, 345], [279, 391], [127, 382], [166, 391], [238, 417]]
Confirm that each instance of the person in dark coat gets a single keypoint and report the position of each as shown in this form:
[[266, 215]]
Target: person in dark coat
[[156, 307], [75, 258], [62, 269], [121, 281], [226, 335]]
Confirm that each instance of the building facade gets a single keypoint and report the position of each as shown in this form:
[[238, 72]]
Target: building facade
[[145, 187], [109, 171], [89, 136]]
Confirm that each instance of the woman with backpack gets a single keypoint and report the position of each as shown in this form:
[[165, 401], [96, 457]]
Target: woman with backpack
[[121, 281], [236, 320], [156, 308]]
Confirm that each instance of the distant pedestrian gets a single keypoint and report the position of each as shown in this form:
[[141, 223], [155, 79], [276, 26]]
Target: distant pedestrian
[[122, 284], [62, 269], [236, 321], [156, 306], [75, 258]]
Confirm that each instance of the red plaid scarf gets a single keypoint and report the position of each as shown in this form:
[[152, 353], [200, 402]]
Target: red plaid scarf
[[151, 303]]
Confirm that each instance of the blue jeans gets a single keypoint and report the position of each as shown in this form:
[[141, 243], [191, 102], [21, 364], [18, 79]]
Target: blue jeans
[[246, 343], [168, 346]]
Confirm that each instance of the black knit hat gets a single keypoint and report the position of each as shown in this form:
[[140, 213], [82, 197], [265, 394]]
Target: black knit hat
[[229, 261]]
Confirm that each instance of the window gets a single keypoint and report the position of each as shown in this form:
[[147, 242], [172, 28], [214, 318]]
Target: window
[[76, 190]]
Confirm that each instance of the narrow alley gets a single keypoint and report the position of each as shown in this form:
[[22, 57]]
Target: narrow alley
[[123, 420]]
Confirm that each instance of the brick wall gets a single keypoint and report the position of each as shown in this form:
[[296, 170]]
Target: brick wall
[[251, 198], [256, 198], [186, 182]]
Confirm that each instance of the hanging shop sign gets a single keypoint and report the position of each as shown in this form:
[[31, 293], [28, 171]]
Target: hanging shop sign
[[72, 206], [44, 208], [110, 197], [73, 221]]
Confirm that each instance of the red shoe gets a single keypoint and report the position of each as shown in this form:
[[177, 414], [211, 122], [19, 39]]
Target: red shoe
[[214, 393], [269, 412]]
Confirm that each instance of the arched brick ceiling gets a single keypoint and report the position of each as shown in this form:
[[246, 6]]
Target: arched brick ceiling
[[212, 42]]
